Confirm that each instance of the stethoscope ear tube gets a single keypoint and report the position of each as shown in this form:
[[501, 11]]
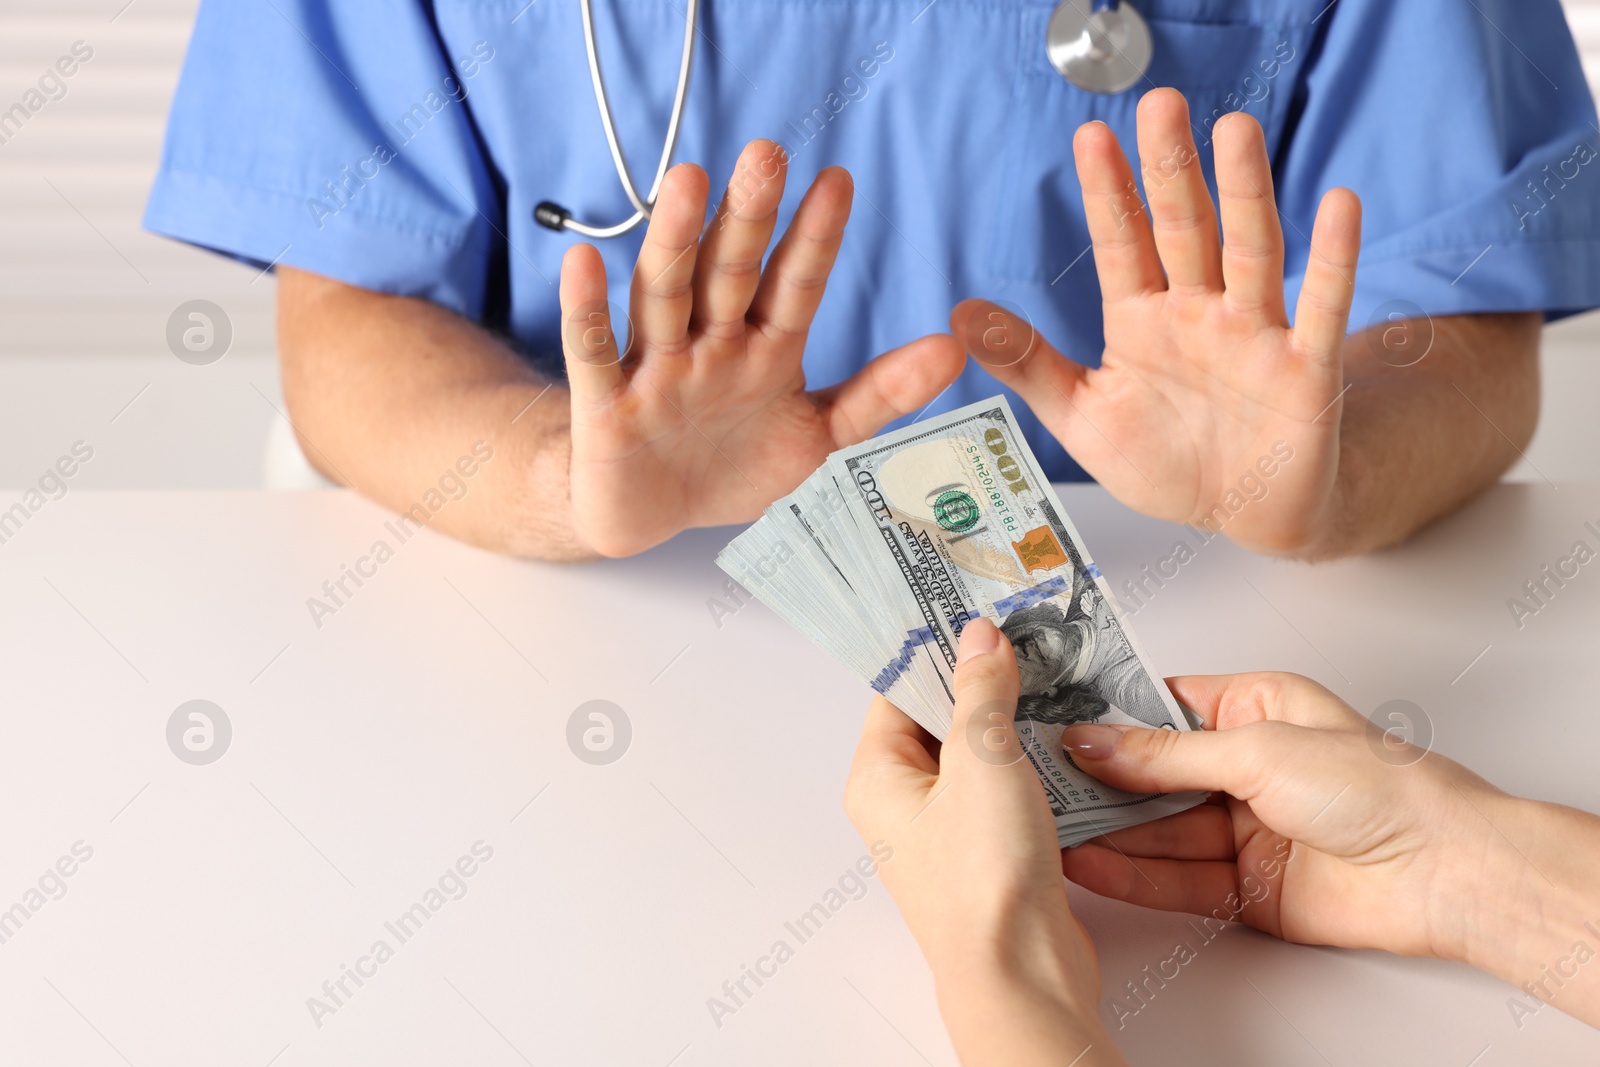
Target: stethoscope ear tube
[[551, 215]]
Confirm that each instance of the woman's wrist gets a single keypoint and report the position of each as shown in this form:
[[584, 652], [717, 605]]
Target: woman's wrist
[[1027, 993], [999, 1016], [1028, 941], [1533, 897]]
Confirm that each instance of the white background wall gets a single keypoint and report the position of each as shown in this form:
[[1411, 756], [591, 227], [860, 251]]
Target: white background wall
[[85, 294]]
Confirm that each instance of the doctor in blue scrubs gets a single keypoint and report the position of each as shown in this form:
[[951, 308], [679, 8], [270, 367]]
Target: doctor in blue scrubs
[[1287, 284]]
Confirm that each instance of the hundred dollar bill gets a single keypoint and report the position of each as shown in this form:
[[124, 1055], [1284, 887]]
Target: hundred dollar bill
[[894, 545]]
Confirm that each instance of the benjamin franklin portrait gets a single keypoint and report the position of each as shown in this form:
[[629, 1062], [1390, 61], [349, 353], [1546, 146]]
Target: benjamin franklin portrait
[[1075, 663]]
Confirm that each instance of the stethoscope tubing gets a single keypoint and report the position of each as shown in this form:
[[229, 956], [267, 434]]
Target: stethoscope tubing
[[642, 205], [557, 217]]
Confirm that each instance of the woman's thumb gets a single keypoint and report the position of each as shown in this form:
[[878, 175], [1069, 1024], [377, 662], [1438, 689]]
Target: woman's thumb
[[986, 685]]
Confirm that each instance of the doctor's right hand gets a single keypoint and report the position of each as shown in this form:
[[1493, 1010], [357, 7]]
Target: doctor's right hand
[[1204, 391], [705, 419]]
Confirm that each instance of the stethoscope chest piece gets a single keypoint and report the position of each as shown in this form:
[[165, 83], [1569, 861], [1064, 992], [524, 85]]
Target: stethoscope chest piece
[[1103, 46]]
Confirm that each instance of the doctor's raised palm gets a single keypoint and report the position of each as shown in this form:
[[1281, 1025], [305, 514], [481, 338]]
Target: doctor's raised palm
[[705, 418], [1205, 397]]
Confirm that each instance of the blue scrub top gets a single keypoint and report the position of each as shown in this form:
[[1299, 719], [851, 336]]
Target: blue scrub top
[[402, 146]]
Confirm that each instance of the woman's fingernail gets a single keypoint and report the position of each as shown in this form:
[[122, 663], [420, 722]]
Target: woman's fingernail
[[977, 637], [1092, 741]]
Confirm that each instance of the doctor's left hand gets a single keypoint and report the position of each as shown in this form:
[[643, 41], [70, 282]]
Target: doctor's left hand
[[705, 418], [1205, 397]]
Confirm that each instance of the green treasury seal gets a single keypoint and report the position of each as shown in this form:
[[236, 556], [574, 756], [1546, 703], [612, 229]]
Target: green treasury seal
[[956, 511]]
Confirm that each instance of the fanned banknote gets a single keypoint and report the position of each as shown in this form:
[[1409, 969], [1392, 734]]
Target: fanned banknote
[[893, 545]]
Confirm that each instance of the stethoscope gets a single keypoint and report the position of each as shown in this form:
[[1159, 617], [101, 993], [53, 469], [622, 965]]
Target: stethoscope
[[553, 215], [1102, 46]]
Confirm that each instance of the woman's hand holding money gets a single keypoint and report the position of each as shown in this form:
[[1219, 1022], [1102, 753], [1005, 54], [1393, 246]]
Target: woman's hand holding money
[[1329, 831], [975, 871], [1325, 831]]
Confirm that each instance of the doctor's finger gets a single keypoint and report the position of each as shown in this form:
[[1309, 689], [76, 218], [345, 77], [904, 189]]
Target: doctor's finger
[[1322, 314], [899, 382], [1124, 249], [1252, 239], [662, 295], [797, 271], [1011, 349], [1182, 214], [729, 263], [587, 338]]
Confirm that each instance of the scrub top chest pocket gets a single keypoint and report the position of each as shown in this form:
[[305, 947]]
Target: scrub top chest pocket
[[1220, 60]]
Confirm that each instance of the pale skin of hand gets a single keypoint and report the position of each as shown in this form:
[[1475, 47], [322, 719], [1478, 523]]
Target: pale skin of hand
[[706, 419], [386, 393], [1313, 836], [1405, 851], [974, 869], [1202, 376]]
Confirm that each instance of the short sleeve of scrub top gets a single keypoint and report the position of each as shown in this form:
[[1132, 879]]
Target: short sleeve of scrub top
[[401, 147], [1469, 131], [332, 137]]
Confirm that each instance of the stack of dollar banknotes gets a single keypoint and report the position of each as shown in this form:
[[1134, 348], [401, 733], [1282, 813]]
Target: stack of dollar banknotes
[[893, 545]]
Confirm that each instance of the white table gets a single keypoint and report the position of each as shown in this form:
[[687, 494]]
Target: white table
[[430, 712]]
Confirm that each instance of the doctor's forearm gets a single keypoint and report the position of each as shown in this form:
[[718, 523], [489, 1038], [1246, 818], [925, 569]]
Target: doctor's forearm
[[1419, 441], [400, 398]]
